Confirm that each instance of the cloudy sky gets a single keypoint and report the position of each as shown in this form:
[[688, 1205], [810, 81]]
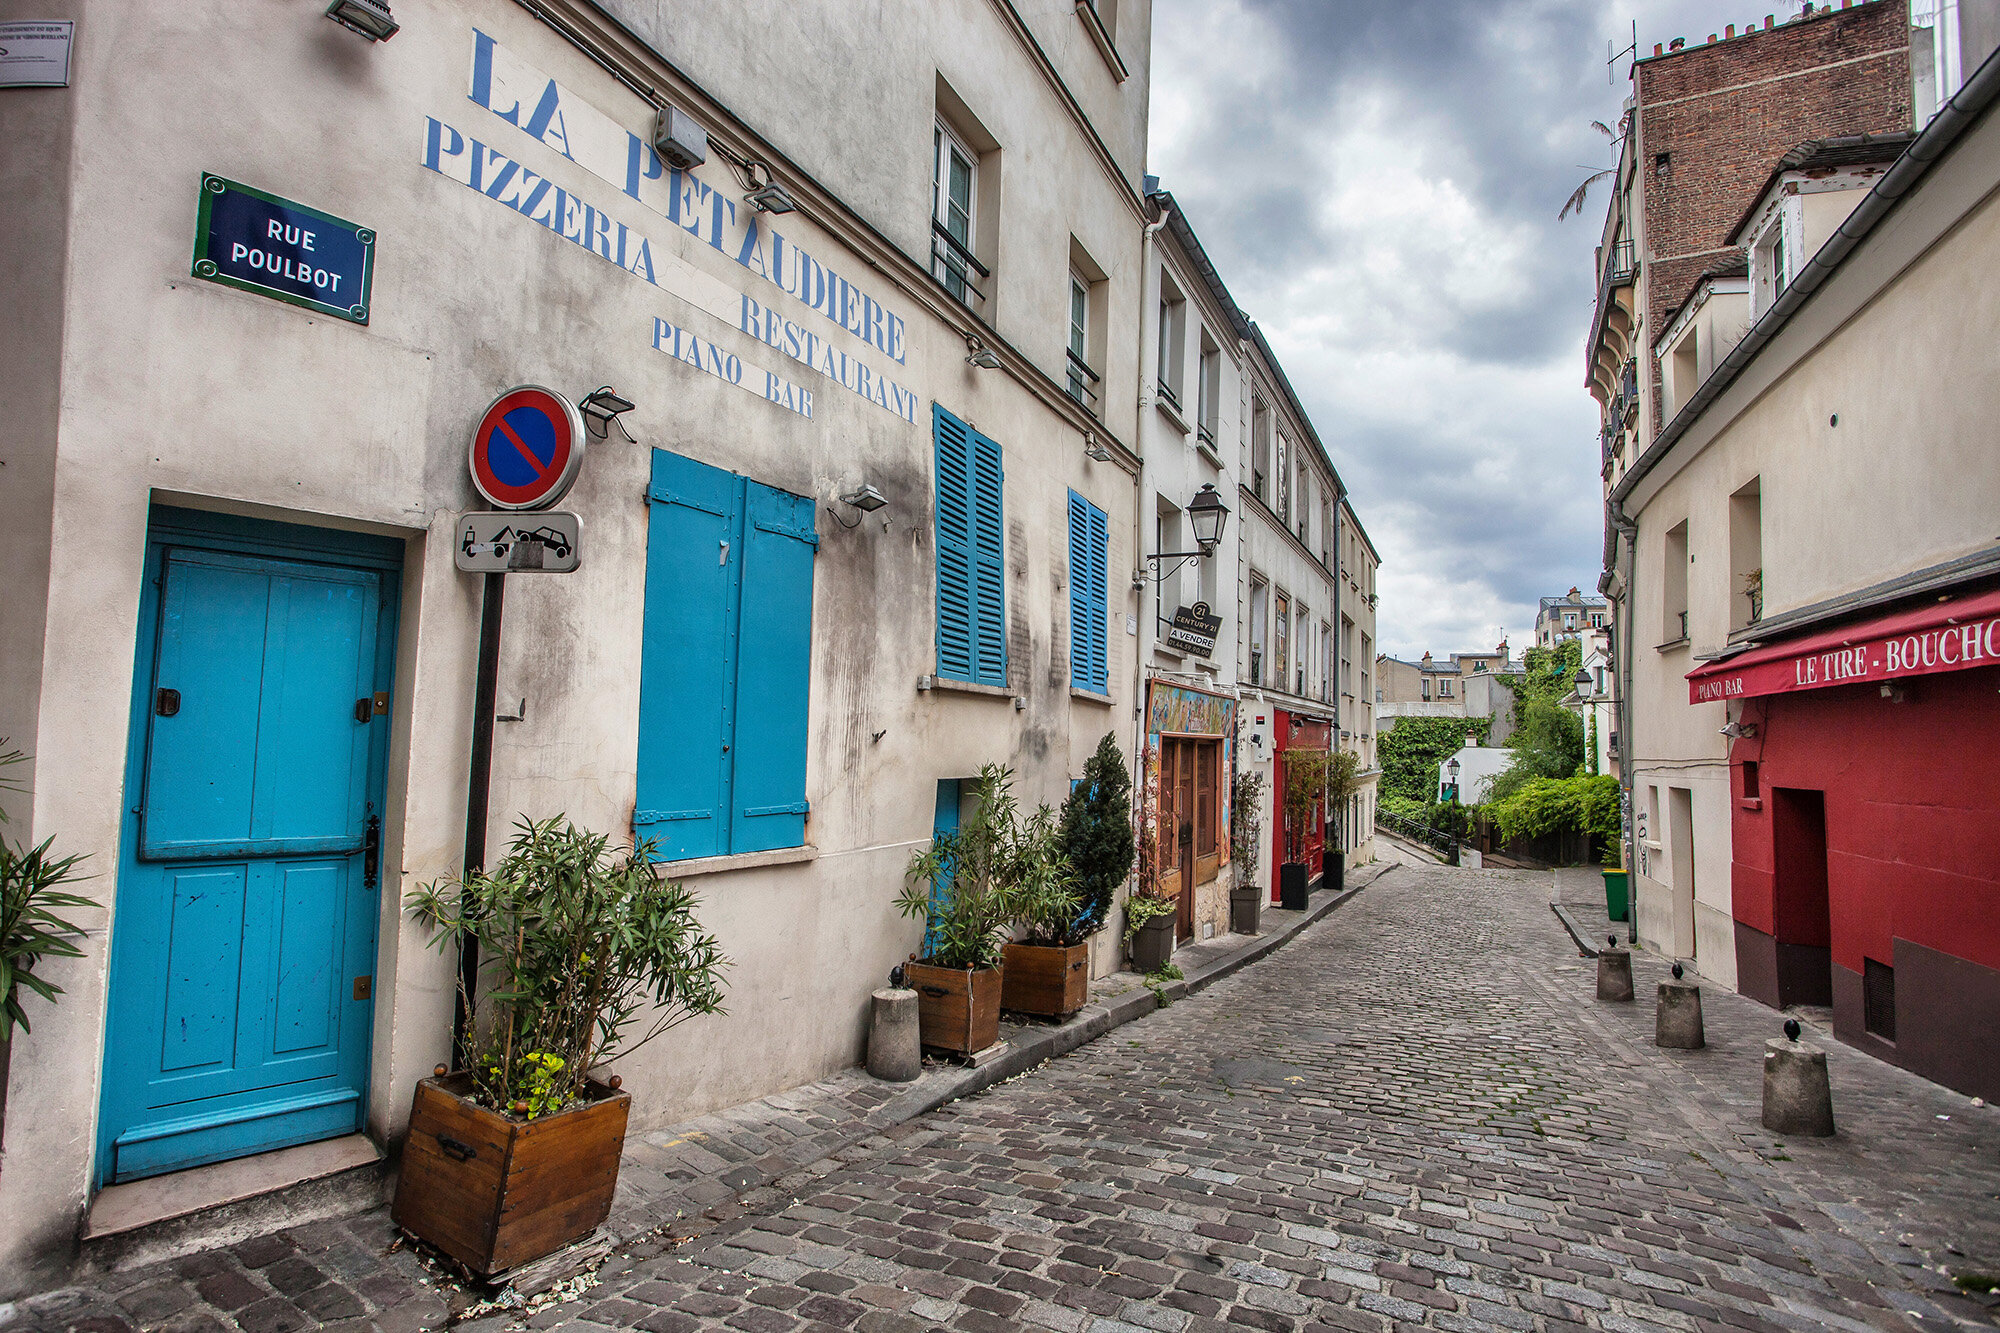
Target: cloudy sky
[[1378, 181]]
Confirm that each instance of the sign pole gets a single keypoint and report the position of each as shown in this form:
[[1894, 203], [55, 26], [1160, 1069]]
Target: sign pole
[[478, 790]]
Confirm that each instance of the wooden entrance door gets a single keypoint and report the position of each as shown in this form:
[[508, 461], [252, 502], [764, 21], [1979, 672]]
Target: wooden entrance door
[[1184, 819]]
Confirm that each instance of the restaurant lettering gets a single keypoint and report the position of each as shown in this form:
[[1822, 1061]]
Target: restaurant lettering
[[1948, 647]]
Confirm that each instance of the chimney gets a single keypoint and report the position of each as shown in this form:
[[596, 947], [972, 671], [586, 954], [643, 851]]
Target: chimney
[[1657, 48]]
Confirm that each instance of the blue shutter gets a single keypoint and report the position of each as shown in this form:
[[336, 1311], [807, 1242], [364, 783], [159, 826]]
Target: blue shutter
[[954, 546], [989, 569], [971, 549], [773, 669], [686, 699], [1088, 609]]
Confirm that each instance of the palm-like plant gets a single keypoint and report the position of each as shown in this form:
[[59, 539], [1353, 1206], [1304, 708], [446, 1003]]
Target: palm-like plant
[[31, 928], [1574, 204]]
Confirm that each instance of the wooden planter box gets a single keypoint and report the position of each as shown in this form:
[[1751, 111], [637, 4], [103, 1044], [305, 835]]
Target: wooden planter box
[[1049, 981], [495, 1193], [1153, 944], [958, 1012]]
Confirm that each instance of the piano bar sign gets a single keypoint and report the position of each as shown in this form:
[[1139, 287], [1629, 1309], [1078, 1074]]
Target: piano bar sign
[[257, 242]]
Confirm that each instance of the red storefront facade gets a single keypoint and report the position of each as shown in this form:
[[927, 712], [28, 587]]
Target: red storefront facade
[[1865, 830], [1296, 731]]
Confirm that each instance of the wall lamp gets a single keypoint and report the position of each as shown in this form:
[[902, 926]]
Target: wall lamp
[[1094, 449], [600, 408], [1208, 516], [867, 499], [979, 354], [370, 18], [1738, 730]]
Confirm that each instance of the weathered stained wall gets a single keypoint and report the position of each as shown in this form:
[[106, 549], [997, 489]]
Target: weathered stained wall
[[185, 392]]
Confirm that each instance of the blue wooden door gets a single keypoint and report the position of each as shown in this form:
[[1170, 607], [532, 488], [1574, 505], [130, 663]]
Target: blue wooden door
[[244, 940]]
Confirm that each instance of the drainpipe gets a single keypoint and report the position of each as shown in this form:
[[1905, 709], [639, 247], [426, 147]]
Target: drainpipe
[[1139, 497], [1616, 527]]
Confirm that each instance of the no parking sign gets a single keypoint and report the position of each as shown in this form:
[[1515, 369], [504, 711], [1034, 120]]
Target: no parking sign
[[527, 449]]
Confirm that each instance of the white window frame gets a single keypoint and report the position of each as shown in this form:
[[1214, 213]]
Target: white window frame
[[1076, 347], [945, 144]]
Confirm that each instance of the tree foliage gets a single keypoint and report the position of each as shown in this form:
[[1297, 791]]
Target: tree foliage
[[969, 884], [1411, 752], [1097, 837], [1548, 744]]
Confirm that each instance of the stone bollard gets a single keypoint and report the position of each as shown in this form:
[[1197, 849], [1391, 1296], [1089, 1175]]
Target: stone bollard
[[1614, 973], [1677, 1020], [1797, 1096], [894, 1049]]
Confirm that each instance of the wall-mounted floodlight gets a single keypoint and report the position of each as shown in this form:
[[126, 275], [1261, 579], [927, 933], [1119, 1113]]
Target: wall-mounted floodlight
[[981, 355], [1095, 450], [602, 407], [771, 198], [867, 499], [370, 18]]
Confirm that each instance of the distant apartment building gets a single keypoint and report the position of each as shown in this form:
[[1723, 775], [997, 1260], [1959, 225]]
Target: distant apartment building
[[1561, 618], [1459, 685]]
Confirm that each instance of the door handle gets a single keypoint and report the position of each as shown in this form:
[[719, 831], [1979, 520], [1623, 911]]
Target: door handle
[[166, 702], [371, 851]]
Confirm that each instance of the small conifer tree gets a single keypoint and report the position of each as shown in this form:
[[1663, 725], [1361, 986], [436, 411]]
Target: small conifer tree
[[1097, 836]]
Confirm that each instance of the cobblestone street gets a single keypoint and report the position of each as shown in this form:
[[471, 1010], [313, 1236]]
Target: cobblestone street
[[1415, 1115]]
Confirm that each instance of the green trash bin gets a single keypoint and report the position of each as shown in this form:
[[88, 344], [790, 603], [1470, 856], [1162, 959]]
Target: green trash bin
[[1616, 894]]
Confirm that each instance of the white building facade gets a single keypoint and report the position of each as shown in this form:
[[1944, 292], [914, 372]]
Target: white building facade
[[776, 683]]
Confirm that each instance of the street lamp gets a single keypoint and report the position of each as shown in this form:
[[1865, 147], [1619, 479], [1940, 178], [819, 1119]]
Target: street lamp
[[1207, 515], [1451, 771]]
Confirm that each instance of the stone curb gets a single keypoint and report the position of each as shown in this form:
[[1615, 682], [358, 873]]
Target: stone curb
[[1575, 929]]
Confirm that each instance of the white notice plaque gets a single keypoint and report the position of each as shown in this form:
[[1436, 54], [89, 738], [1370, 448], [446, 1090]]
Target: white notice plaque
[[35, 54]]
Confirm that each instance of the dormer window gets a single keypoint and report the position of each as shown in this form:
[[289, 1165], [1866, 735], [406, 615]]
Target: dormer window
[[1774, 257]]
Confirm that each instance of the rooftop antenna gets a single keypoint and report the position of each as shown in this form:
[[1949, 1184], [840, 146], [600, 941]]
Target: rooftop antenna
[[1611, 60]]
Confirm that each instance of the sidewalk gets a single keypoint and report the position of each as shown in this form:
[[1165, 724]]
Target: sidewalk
[[674, 1184], [1577, 899]]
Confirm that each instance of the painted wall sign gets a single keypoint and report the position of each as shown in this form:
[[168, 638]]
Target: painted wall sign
[[542, 542], [1175, 710], [562, 123], [1945, 636], [257, 242], [1193, 630], [527, 448], [36, 55]]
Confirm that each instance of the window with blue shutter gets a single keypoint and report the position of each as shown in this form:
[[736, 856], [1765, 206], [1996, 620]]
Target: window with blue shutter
[[1089, 668], [971, 570], [724, 663]]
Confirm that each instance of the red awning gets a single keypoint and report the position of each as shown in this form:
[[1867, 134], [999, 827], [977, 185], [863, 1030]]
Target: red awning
[[1943, 636]]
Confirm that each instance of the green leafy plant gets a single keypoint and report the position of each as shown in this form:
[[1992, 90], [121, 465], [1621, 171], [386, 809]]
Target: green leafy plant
[[1556, 805], [1411, 752], [586, 954], [1246, 826], [31, 927], [970, 884], [1156, 981], [1097, 838], [1141, 908]]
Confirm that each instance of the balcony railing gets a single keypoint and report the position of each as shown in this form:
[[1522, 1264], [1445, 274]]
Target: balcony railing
[[1620, 263], [1436, 839], [950, 261], [1081, 377]]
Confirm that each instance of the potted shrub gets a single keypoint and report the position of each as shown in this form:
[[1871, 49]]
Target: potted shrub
[[959, 887], [1048, 972], [1246, 836], [1343, 779], [587, 954], [1149, 930], [1305, 788]]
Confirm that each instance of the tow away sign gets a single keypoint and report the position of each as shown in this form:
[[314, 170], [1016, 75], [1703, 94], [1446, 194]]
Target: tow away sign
[[546, 542]]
